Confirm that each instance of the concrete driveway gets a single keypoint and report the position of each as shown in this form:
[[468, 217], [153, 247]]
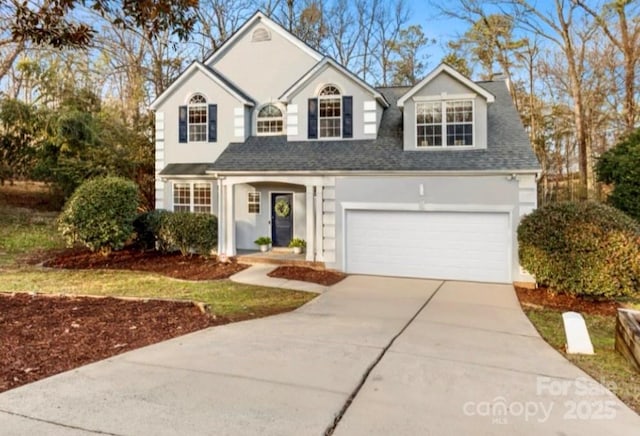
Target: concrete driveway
[[372, 355]]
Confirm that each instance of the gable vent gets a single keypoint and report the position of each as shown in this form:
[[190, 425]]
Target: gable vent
[[260, 34]]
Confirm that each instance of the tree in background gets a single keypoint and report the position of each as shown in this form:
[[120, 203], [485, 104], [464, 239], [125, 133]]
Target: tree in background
[[458, 62], [53, 23], [408, 65], [620, 166], [20, 132], [490, 43]]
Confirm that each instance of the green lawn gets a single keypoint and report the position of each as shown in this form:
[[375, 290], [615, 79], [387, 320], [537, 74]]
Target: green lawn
[[606, 365], [225, 298], [24, 231]]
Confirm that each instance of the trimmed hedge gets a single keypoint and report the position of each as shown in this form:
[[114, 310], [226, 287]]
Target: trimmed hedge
[[147, 227], [587, 249], [100, 214], [189, 232], [620, 166]]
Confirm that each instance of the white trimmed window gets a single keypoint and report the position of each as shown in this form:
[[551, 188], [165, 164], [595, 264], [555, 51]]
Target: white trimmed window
[[181, 197], [444, 123], [192, 197], [270, 120], [197, 118], [253, 201], [330, 112]]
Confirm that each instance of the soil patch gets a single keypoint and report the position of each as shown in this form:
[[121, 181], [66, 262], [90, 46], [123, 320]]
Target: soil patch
[[169, 264], [542, 297], [45, 335], [305, 274]]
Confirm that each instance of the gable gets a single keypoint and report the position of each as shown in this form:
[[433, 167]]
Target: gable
[[329, 71], [443, 83], [199, 76], [263, 59], [442, 79]]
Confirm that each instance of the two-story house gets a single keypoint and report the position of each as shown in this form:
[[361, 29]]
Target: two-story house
[[278, 140]]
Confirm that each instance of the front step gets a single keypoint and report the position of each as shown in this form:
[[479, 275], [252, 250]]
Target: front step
[[278, 257]]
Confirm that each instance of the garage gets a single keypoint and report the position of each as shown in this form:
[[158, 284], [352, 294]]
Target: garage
[[473, 246]]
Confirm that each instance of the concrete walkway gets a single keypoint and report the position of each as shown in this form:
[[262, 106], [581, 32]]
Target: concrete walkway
[[257, 275], [416, 356]]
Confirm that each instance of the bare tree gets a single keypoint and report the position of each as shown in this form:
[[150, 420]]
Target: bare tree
[[619, 22], [390, 19], [559, 27]]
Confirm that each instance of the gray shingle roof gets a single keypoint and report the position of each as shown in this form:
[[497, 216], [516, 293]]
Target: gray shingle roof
[[508, 147], [185, 169], [230, 84]]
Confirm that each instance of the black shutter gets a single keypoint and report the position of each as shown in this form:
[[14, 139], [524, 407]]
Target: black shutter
[[312, 119], [347, 117], [213, 123], [182, 124]]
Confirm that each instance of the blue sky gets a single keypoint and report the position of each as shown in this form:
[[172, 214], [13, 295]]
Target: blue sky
[[435, 26]]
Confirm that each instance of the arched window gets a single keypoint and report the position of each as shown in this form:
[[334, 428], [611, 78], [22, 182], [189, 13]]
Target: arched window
[[270, 120], [330, 112], [197, 118]]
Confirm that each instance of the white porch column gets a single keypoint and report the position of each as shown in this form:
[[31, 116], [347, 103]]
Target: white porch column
[[311, 227], [319, 224], [221, 217], [230, 222]]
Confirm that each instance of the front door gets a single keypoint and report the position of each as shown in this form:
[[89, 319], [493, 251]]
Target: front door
[[281, 219]]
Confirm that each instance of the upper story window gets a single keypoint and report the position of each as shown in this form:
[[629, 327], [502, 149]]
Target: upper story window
[[197, 118], [444, 123], [330, 112], [270, 120]]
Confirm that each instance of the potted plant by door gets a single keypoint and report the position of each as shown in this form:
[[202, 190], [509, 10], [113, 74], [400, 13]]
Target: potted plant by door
[[263, 242], [298, 245]]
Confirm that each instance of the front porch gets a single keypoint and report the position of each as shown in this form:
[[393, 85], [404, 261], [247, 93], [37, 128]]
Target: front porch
[[251, 207], [276, 257]]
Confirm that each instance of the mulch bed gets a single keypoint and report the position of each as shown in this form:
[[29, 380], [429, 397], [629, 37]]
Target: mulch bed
[[45, 335], [170, 264], [542, 297], [305, 274]]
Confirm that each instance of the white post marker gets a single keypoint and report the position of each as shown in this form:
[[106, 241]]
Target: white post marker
[[578, 340]]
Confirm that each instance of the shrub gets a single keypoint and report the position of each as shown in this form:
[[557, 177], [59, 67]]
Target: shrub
[[588, 249], [189, 232], [100, 214], [621, 167], [147, 226], [263, 240], [297, 242]]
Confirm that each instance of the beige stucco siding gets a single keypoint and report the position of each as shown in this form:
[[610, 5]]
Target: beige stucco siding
[[198, 82], [347, 87], [265, 69]]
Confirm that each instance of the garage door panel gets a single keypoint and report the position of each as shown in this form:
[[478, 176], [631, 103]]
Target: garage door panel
[[448, 245]]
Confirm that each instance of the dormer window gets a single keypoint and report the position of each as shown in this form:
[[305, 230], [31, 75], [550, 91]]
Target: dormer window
[[330, 112], [270, 121], [444, 123], [197, 119]]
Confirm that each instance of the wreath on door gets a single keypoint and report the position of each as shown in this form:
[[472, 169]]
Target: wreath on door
[[282, 208]]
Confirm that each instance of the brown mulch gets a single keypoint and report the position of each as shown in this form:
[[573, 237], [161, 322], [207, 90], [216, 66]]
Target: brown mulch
[[542, 297], [45, 335], [305, 274], [170, 264]]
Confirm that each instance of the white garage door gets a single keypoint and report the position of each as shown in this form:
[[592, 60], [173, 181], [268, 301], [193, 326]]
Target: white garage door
[[443, 245]]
